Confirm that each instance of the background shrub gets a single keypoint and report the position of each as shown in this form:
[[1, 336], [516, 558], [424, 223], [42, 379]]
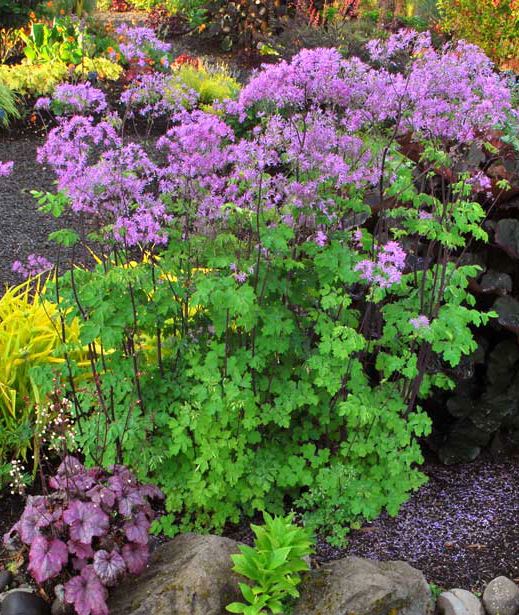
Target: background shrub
[[493, 25]]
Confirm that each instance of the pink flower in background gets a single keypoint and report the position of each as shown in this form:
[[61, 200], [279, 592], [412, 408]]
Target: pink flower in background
[[387, 267], [34, 266], [320, 238], [6, 168], [420, 322]]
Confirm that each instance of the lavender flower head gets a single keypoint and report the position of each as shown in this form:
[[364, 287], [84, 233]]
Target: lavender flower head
[[79, 98], [420, 322], [387, 267], [157, 95], [320, 238], [6, 168], [34, 266], [138, 44]]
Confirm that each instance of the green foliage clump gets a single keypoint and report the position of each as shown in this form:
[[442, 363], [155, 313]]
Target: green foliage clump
[[273, 565], [8, 107], [33, 79], [60, 42], [210, 86], [29, 345], [493, 25]]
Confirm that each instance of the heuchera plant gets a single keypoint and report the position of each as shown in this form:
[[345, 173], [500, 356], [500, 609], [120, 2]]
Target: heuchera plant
[[91, 531]]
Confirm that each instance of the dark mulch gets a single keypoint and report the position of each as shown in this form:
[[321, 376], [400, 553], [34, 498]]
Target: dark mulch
[[460, 529], [11, 507], [24, 230]]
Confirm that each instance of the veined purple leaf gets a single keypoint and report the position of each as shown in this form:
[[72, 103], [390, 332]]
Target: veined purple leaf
[[116, 485], [72, 476], [137, 529], [152, 492], [87, 593], [124, 474], [47, 558], [101, 495], [109, 566], [136, 557], [70, 466], [80, 549], [79, 483], [32, 520], [78, 563], [85, 520], [129, 500]]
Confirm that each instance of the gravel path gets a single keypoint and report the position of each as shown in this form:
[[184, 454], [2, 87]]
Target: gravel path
[[24, 230]]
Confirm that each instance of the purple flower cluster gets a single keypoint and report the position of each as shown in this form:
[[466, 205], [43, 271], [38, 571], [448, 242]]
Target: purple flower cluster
[[138, 44], [6, 168], [96, 523], [420, 322], [157, 95], [107, 180], [453, 93], [387, 267], [71, 99], [34, 266], [481, 182], [306, 148]]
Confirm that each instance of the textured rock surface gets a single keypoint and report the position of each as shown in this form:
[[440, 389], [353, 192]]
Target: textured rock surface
[[20, 602], [459, 602], [364, 587], [191, 575], [501, 597], [6, 578]]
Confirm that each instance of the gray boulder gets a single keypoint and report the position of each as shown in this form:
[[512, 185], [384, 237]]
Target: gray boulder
[[501, 597], [191, 575], [459, 602], [364, 587]]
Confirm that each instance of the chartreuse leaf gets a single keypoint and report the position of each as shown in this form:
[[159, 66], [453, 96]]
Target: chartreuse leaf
[[273, 564]]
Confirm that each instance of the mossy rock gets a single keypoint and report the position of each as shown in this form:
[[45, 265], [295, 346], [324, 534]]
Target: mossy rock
[[355, 586], [191, 575]]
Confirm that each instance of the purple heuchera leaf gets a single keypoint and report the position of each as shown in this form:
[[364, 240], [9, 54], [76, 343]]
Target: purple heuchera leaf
[[72, 475], [136, 557], [109, 566], [86, 520], [47, 558], [151, 491], [80, 549], [87, 593], [101, 495], [34, 517], [137, 529], [129, 498], [70, 466]]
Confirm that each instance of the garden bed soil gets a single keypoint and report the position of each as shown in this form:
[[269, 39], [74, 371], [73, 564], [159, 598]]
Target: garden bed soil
[[24, 230]]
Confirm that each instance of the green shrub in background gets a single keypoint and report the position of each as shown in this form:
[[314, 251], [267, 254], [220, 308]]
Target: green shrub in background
[[33, 79], [15, 12], [210, 85], [491, 24], [63, 41]]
